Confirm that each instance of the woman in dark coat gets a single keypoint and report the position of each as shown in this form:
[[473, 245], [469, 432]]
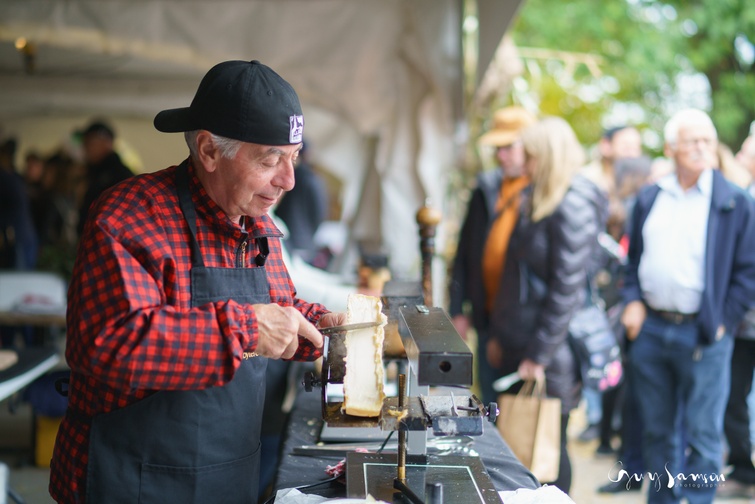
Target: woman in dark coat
[[545, 277]]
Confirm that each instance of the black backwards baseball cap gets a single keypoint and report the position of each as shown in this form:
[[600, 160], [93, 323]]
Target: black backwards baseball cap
[[242, 100]]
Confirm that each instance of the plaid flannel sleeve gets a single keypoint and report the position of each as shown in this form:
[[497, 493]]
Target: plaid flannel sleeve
[[122, 332]]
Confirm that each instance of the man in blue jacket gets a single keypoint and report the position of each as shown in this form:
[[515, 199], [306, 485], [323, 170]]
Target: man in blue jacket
[[689, 281]]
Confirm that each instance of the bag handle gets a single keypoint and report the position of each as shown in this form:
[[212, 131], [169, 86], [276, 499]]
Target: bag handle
[[535, 388]]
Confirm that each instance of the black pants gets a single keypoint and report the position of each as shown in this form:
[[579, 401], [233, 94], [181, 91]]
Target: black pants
[[737, 419], [563, 482], [610, 401]]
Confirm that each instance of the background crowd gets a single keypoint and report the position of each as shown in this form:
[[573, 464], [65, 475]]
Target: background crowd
[[668, 245]]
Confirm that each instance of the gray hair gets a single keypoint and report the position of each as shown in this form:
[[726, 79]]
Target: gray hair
[[685, 117], [228, 147]]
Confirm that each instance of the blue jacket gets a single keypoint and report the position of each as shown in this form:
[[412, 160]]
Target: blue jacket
[[729, 257]]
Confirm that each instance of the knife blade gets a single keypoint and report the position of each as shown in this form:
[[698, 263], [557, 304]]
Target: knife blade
[[347, 327]]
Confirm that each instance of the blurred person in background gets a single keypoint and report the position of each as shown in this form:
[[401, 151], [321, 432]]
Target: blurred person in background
[[615, 174], [34, 167], [690, 278], [739, 415], [479, 260], [304, 208], [104, 167], [631, 175], [731, 168], [746, 157], [56, 213], [616, 143], [18, 239], [545, 277]]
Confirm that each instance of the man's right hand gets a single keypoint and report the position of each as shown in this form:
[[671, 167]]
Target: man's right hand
[[632, 318], [279, 328]]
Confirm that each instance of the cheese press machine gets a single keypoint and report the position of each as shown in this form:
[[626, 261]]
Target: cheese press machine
[[435, 356]]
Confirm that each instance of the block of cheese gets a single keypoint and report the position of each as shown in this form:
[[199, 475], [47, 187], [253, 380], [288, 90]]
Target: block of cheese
[[363, 380]]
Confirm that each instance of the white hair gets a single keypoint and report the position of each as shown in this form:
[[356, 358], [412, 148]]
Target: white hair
[[686, 117], [228, 147]]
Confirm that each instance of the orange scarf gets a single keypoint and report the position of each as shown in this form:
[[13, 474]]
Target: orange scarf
[[494, 255]]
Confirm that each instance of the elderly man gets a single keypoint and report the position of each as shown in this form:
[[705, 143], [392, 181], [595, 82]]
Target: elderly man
[[179, 296], [690, 279], [476, 259]]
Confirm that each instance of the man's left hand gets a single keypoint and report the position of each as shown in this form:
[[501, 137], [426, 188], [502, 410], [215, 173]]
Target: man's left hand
[[531, 370]]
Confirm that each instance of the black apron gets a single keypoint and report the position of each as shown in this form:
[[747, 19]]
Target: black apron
[[182, 447]]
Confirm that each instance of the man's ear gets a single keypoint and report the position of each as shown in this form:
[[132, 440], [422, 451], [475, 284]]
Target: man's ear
[[207, 152]]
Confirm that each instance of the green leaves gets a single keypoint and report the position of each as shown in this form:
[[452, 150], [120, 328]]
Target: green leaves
[[643, 45]]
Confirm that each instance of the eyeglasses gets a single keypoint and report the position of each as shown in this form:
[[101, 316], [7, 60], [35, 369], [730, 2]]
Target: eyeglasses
[[692, 142]]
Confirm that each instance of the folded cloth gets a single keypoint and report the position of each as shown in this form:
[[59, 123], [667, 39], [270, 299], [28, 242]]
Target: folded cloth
[[294, 496], [547, 493]]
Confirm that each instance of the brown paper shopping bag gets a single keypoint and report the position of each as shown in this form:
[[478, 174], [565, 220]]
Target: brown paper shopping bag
[[531, 425]]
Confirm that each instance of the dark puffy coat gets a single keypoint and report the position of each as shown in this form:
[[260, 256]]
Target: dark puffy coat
[[466, 276], [544, 282]]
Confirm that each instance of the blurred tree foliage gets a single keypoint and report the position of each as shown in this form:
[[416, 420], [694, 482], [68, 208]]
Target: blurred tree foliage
[[647, 51]]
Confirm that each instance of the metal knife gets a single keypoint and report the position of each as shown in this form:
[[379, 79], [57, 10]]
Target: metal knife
[[347, 327]]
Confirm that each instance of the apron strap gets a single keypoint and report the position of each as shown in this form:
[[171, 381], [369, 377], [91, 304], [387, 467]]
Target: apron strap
[[260, 259], [190, 213]]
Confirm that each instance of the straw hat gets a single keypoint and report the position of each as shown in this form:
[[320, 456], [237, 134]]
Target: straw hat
[[508, 124]]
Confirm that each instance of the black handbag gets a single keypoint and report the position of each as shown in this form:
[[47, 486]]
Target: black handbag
[[594, 343]]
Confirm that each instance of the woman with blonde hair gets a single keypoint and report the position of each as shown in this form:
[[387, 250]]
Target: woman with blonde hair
[[544, 280]]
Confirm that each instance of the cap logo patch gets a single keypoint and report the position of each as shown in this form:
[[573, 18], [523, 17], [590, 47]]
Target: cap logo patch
[[296, 128]]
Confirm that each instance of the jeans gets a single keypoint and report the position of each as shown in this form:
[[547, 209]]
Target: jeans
[[594, 406], [675, 376]]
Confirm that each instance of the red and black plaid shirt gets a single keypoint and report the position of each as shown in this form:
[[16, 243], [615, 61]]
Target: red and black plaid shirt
[[130, 328]]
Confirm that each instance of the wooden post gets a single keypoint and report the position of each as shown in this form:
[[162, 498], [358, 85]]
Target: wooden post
[[428, 220]]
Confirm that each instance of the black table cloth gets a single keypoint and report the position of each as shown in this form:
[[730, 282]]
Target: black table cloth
[[305, 424]]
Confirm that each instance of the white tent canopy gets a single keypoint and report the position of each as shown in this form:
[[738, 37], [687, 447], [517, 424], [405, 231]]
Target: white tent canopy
[[380, 85]]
